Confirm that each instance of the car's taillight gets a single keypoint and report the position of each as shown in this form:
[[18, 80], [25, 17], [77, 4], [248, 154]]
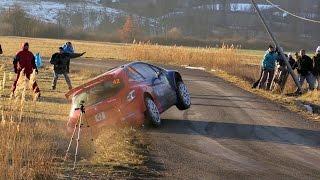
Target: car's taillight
[[131, 95]]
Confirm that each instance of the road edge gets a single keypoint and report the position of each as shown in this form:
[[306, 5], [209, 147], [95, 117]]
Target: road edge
[[291, 103]]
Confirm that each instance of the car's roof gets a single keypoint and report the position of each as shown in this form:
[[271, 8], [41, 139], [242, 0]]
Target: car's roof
[[116, 70], [140, 62]]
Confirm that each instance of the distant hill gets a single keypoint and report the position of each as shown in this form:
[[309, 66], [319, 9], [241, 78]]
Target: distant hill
[[201, 19]]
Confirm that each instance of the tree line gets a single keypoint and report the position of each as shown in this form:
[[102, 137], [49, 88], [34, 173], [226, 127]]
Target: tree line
[[204, 27]]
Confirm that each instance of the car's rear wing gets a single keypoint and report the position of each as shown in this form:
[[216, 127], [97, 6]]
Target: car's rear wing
[[88, 84]]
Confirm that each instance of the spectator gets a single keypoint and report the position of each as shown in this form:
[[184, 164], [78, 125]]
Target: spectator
[[305, 69], [284, 72], [68, 48], [1, 49], [256, 84], [25, 60], [280, 72], [268, 66], [292, 62], [316, 62], [297, 55], [61, 62]]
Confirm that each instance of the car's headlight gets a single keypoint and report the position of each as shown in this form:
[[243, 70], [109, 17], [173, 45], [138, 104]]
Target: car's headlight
[[131, 96]]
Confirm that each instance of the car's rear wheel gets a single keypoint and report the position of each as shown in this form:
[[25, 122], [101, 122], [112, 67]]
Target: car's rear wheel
[[183, 96], [152, 113]]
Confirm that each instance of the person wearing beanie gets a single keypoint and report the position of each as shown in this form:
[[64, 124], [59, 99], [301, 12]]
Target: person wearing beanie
[[24, 61]]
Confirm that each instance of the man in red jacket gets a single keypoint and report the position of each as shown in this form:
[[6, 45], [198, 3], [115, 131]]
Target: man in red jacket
[[25, 60]]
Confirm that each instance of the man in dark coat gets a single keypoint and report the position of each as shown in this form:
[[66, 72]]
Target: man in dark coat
[[305, 69], [61, 63], [316, 71], [25, 60], [1, 49]]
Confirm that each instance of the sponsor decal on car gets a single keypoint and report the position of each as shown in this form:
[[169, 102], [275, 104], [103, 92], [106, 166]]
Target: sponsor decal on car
[[100, 117]]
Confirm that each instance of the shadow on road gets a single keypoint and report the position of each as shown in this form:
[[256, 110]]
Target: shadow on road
[[236, 107], [233, 98], [218, 130], [220, 101]]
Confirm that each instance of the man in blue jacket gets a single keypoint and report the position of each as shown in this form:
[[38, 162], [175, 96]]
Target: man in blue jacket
[[68, 48], [268, 65]]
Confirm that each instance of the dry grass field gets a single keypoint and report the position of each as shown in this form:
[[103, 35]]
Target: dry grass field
[[242, 64], [33, 140], [237, 62]]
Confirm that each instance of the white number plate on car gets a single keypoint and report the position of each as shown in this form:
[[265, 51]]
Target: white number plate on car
[[100, 116]]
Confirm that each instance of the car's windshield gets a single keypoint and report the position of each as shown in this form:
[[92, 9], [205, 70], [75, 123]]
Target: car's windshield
[[98, 93]]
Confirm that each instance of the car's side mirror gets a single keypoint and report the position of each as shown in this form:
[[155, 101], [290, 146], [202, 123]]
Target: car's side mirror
[[156, 77], [159, 73]]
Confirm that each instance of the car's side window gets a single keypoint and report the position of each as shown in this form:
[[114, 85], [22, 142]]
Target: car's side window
[[156, 69], [145, 70], [134, 75]]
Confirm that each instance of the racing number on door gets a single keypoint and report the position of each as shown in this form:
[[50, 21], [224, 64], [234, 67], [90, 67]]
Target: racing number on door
[[116, 82]]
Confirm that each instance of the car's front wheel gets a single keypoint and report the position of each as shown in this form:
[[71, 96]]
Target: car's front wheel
[[152, 113], [183, 96]]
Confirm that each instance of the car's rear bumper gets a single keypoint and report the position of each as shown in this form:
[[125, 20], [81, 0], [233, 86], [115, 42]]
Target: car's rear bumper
[[112, 117]]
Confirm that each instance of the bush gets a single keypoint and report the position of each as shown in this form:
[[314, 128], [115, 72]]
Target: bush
[[129, 31]]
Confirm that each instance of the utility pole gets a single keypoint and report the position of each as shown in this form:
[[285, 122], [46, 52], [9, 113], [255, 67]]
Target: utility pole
[[296, 81]]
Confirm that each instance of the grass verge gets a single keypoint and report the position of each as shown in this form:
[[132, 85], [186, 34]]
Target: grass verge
[[33, 140]]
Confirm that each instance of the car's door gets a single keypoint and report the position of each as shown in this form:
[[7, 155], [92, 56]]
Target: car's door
[[158, 81], [170, 96]]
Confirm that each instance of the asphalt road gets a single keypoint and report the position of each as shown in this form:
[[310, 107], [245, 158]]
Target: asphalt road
[[229, 133]]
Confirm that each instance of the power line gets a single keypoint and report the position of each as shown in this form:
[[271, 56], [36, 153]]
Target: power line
[[292, 14]]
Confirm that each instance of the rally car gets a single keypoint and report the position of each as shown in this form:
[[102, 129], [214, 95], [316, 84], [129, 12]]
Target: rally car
[[135, 93]]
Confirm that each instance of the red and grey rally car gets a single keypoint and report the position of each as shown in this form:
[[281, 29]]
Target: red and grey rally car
[[133, 93]]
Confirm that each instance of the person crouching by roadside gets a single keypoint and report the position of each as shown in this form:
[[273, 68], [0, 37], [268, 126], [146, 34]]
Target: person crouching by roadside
[[316, 62], [305, 69], [61, 63], [24, 61], [268, 65]]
